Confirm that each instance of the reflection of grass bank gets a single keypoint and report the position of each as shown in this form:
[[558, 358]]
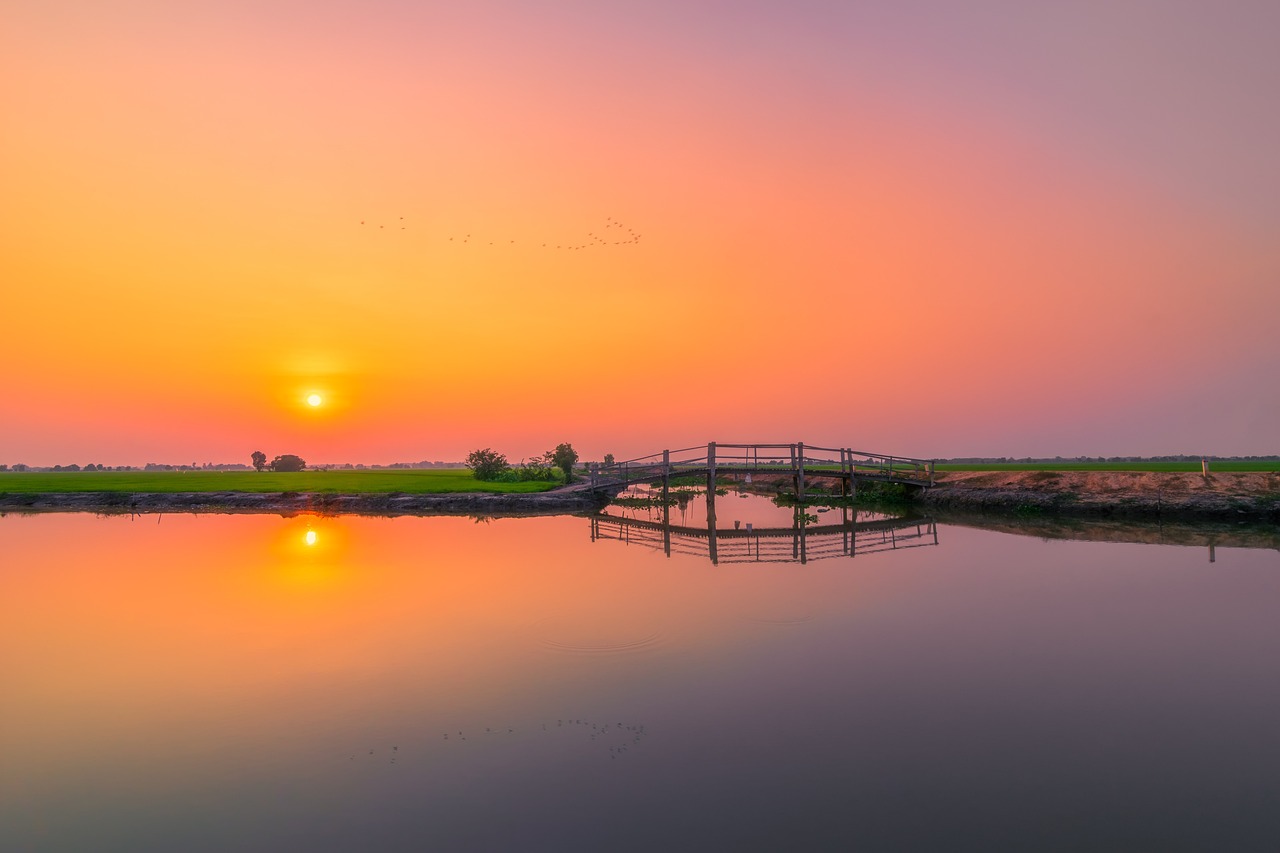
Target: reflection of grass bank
[[867, 495], [1185, 533], [653, 500], [116, 483]]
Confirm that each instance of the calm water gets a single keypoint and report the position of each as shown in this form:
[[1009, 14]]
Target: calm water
[[234, 683]]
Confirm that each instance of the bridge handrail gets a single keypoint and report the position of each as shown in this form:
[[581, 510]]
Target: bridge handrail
[[849, 461], [894, 458], [657, 455], [824, 449]]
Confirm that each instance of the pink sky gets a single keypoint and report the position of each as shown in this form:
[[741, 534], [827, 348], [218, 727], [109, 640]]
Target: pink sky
[[926, 230]]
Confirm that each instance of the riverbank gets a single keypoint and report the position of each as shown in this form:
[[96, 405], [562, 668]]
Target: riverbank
[[1245, 496], [1119, 495], [406, 481], [570, 499]]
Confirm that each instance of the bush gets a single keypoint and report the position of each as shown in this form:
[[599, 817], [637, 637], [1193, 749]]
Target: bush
[[288, 462], [487, 464], [563, 457], [534, 470]]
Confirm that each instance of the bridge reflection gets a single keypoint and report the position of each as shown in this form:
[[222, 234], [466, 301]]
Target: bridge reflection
[[801, 542]]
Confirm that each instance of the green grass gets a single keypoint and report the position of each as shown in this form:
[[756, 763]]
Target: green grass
[[1214, 467], [409, 482]]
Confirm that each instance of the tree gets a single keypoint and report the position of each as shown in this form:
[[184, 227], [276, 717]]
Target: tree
[[288, 462], [563, 457], [259, 460], [486, 464], [608, 459]]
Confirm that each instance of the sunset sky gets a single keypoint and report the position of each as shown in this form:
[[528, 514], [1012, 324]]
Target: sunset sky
[[926, 228]]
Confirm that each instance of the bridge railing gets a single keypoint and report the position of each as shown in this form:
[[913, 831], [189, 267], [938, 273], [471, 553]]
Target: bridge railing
[[765, 458], [890, 467], [756, 457], [653, 466]]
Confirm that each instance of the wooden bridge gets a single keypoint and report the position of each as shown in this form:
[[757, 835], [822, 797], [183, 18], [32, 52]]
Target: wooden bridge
[[800, 543], [798, 461]]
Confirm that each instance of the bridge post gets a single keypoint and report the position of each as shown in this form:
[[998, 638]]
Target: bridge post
[[800, 471], [594, 469], [711, 467], [711, 503], [853, 482], [666, 473]]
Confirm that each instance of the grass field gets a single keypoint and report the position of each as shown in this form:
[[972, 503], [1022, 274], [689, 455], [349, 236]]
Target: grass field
[[1214, 467], [412, 481], [443, 481]]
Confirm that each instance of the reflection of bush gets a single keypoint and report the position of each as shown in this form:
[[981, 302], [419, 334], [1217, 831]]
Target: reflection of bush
[[867, 494], [675, 497]]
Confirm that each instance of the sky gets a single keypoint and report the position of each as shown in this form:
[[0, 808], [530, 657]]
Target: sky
[[924, 228]]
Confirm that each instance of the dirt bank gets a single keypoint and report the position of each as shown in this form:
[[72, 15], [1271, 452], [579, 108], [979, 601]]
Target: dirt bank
[[555, 502], [1111, 494]]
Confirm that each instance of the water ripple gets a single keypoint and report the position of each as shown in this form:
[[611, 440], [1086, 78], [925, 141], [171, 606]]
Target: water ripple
[[595, 636]]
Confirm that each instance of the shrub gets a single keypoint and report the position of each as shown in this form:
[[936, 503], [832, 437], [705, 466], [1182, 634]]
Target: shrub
[[487, 464], [288, 462], [534, 470], [563, 457]]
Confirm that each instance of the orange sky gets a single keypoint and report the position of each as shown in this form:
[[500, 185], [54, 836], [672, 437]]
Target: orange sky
[[1007, 233]]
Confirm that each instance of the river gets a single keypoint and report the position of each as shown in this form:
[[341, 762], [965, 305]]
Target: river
[[252, 682]]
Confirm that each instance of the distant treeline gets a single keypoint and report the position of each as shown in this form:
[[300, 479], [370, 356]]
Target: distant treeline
[[150, 466], [360, 466], [985, 460], [219, 466]]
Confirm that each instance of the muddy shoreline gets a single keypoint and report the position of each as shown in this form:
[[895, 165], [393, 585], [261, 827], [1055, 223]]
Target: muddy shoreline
[[556, 502], [1136, 496]]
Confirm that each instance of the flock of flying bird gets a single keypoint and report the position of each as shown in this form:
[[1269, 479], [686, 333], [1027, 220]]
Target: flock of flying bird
[[621, 737], [614, 233]]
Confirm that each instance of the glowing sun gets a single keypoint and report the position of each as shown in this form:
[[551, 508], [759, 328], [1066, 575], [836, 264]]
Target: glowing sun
[[314, 400]]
